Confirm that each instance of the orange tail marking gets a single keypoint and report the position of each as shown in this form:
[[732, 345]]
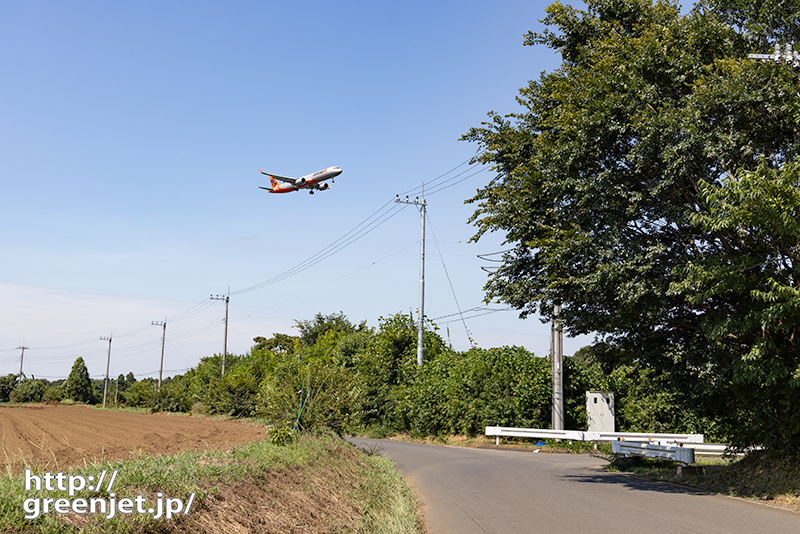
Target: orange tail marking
[[273, 182]]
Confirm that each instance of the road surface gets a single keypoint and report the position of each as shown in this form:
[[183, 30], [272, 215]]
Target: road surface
[[495, 491]]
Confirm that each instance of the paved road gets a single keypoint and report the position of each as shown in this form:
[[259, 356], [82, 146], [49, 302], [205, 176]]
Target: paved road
[[492, 491]]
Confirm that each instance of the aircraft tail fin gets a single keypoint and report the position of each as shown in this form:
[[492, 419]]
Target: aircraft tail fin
[[273, 182]]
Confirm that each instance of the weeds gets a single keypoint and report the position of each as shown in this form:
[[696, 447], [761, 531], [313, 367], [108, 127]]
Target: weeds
[[294, 481]]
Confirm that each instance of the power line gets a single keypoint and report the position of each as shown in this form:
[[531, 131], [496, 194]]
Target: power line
[[450, 282], [329, 282], [486, 311], [344, 241]]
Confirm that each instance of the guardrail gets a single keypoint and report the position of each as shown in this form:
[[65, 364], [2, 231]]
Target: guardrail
[[654, 442], [539, 433], [678, 453], [579, 435]]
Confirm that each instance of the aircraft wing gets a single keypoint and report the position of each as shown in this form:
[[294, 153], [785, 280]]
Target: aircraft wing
[[281, 178]]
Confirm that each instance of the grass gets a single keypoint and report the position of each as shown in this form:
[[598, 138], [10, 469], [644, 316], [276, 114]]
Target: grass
[[318, 481], [760, 476]]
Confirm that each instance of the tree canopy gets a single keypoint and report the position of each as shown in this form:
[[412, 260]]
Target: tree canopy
[[78, 386], [611, 188]]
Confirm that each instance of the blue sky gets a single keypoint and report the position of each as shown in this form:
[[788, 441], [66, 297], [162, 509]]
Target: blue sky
[[132, 134]]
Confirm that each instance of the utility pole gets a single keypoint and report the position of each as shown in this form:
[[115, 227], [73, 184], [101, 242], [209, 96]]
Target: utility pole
[[421, 324], [108, 363], [787, 56], [21, 356], [226, 298], [558, 370], [163, 339]]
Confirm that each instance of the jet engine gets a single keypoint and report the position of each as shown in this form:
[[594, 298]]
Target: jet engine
[[300, 182], [323, 186]]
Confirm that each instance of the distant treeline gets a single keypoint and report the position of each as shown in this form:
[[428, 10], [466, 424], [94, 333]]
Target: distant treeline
[[353, 378]]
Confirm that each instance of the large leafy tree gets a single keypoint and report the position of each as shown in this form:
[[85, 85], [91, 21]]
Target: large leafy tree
[[603, 175]]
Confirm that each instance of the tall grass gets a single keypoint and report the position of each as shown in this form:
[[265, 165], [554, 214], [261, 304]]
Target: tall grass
[[368, 483]]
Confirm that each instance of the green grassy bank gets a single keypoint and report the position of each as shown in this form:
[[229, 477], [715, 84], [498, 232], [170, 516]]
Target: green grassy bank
[[315, 483]]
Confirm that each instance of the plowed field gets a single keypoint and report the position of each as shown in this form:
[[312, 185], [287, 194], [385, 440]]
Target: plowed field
[[57, 437]]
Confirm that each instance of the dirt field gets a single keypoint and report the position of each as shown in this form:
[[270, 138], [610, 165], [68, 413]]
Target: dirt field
[[53, 438]]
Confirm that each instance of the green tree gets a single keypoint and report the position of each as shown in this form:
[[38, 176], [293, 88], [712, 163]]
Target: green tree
[[462, 393], [141, 393], [277, 344], [321, 324], [7, 385], [600, 174], [387, 366], [30, 390], [753, 296], [79, 385]]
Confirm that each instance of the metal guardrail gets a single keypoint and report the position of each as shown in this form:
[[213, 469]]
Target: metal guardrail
[[539, 433], [676, 453], [693, 442], [641, 437], [579, 435]]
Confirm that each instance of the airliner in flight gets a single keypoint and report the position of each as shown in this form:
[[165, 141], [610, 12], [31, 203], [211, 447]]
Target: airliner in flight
[[312, 182]]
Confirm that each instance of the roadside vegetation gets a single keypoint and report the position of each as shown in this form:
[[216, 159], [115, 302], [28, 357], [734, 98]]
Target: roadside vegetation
[[316, 482], [760, 476], [354, 379]]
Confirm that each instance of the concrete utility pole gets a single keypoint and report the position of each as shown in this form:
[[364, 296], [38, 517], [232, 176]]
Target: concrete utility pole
[[21, 356], [163, 340], [226, 298], [421, 320], [558, 370], [108, 364]]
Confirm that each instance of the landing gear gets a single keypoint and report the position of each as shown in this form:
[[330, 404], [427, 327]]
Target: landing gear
[[311, 192]]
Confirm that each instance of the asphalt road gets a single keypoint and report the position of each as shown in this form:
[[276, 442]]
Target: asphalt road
[[493, 491]]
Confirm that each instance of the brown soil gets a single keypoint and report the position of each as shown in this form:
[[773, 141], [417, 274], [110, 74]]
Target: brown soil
[[314, 500], [54, 438]]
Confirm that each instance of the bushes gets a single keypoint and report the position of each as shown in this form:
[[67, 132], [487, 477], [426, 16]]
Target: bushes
[[462, 393], [356, 379], [312, 394], [7, 385], [53, 393], [30, 390], [140, 393]]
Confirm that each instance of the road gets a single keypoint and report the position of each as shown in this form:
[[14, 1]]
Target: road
[[495, 491]]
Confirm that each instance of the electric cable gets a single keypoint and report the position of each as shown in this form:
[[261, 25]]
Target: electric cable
[[331, 249], [449, 281]]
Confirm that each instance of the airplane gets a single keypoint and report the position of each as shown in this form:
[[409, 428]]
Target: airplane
[[312, 182]]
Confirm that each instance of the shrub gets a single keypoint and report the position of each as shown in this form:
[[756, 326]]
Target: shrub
[[140, 393], [53, 393], [30, 390]]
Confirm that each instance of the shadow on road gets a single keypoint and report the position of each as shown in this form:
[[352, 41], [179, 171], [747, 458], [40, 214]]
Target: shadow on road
[[633, 482]]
